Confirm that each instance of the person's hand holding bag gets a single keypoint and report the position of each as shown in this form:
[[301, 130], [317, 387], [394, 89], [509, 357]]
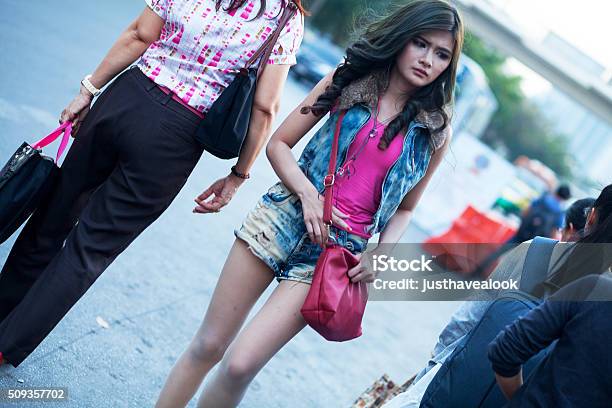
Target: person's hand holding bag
[[364, 271], [77, 109]]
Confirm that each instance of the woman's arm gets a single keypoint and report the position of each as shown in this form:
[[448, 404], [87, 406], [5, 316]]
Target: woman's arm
[[294, 128], [290, 132], [399, 221], [266, 103], [132, 43]]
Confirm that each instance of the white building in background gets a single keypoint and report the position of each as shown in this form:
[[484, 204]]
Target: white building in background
[[589, 137], [475, 103]]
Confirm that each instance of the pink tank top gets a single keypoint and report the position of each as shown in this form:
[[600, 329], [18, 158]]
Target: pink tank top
[[358, 186]]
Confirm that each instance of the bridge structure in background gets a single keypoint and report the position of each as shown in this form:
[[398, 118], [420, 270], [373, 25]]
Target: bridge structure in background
[[590, 89]]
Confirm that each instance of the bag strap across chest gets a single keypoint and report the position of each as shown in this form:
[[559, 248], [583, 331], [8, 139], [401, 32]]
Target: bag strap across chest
[[330, 178], [266, 48]]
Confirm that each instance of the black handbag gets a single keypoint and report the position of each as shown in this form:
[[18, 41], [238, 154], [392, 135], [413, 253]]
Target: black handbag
[[26, 179], [225, 126]]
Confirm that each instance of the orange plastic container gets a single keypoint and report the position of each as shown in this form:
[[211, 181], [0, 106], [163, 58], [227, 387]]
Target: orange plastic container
[[470, 239]]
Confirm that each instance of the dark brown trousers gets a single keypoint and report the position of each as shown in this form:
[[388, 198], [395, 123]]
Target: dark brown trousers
[[132, 155]]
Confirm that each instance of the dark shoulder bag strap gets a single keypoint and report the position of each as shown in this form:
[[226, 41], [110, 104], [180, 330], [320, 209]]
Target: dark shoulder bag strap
[[266, 48], [535, 268]]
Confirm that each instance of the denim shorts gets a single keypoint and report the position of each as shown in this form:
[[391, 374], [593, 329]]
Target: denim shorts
[[275, 232]]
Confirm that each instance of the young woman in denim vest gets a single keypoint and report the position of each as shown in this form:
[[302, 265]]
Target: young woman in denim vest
[[395, 86]]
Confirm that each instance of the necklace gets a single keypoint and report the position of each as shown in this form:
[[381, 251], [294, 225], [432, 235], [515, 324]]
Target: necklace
[[375, 127], [377, 124], [346, 168]]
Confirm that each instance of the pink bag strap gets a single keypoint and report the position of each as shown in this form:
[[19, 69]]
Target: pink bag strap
[[330, 178], [66, 129]]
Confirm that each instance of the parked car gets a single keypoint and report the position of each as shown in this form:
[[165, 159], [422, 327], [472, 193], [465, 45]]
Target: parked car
[[316, 58]]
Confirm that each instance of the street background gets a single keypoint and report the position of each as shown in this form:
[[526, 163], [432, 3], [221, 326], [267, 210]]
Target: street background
[[153, 298]]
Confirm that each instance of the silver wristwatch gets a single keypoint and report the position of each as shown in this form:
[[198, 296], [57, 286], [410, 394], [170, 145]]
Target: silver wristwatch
[[89, 86]]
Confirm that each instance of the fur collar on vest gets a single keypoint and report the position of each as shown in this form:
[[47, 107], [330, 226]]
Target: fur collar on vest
[[366, 90]]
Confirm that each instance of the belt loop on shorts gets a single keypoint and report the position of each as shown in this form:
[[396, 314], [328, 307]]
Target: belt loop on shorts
[[336, 236], [331, 237], [349, 245]]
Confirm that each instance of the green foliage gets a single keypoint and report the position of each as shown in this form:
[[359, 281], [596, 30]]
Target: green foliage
[[342, 19], [518, 127]]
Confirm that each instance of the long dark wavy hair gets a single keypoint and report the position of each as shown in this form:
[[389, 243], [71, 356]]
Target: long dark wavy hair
[[379, 47], [592, 254], [236, 4]]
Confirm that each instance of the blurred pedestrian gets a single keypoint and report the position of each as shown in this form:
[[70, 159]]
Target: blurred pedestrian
[[393, 91], [575, 219], [135, 149], [544, 217]]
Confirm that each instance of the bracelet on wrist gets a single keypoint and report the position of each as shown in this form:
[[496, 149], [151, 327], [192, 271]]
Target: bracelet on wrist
[[244, 176], [89, 86]]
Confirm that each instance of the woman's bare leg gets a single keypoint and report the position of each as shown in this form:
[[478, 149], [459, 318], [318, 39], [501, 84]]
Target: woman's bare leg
[[273, 326], [243, 279]]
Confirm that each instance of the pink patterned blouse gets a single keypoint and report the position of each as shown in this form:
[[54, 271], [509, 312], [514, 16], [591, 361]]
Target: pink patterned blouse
[[200, 49]]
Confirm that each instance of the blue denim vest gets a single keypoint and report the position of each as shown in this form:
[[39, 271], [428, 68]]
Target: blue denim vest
[[403, 175]]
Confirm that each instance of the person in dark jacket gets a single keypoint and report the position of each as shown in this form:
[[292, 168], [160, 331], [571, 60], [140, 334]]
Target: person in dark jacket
[[576, 373], [544, 217]]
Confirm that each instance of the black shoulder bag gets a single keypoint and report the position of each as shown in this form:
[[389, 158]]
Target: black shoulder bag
[[224, 128], [27, 179]]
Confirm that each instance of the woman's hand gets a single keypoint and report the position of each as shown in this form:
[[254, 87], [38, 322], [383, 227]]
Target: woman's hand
[[364, 270], [76, 110], [312, 208], [223, 189]]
